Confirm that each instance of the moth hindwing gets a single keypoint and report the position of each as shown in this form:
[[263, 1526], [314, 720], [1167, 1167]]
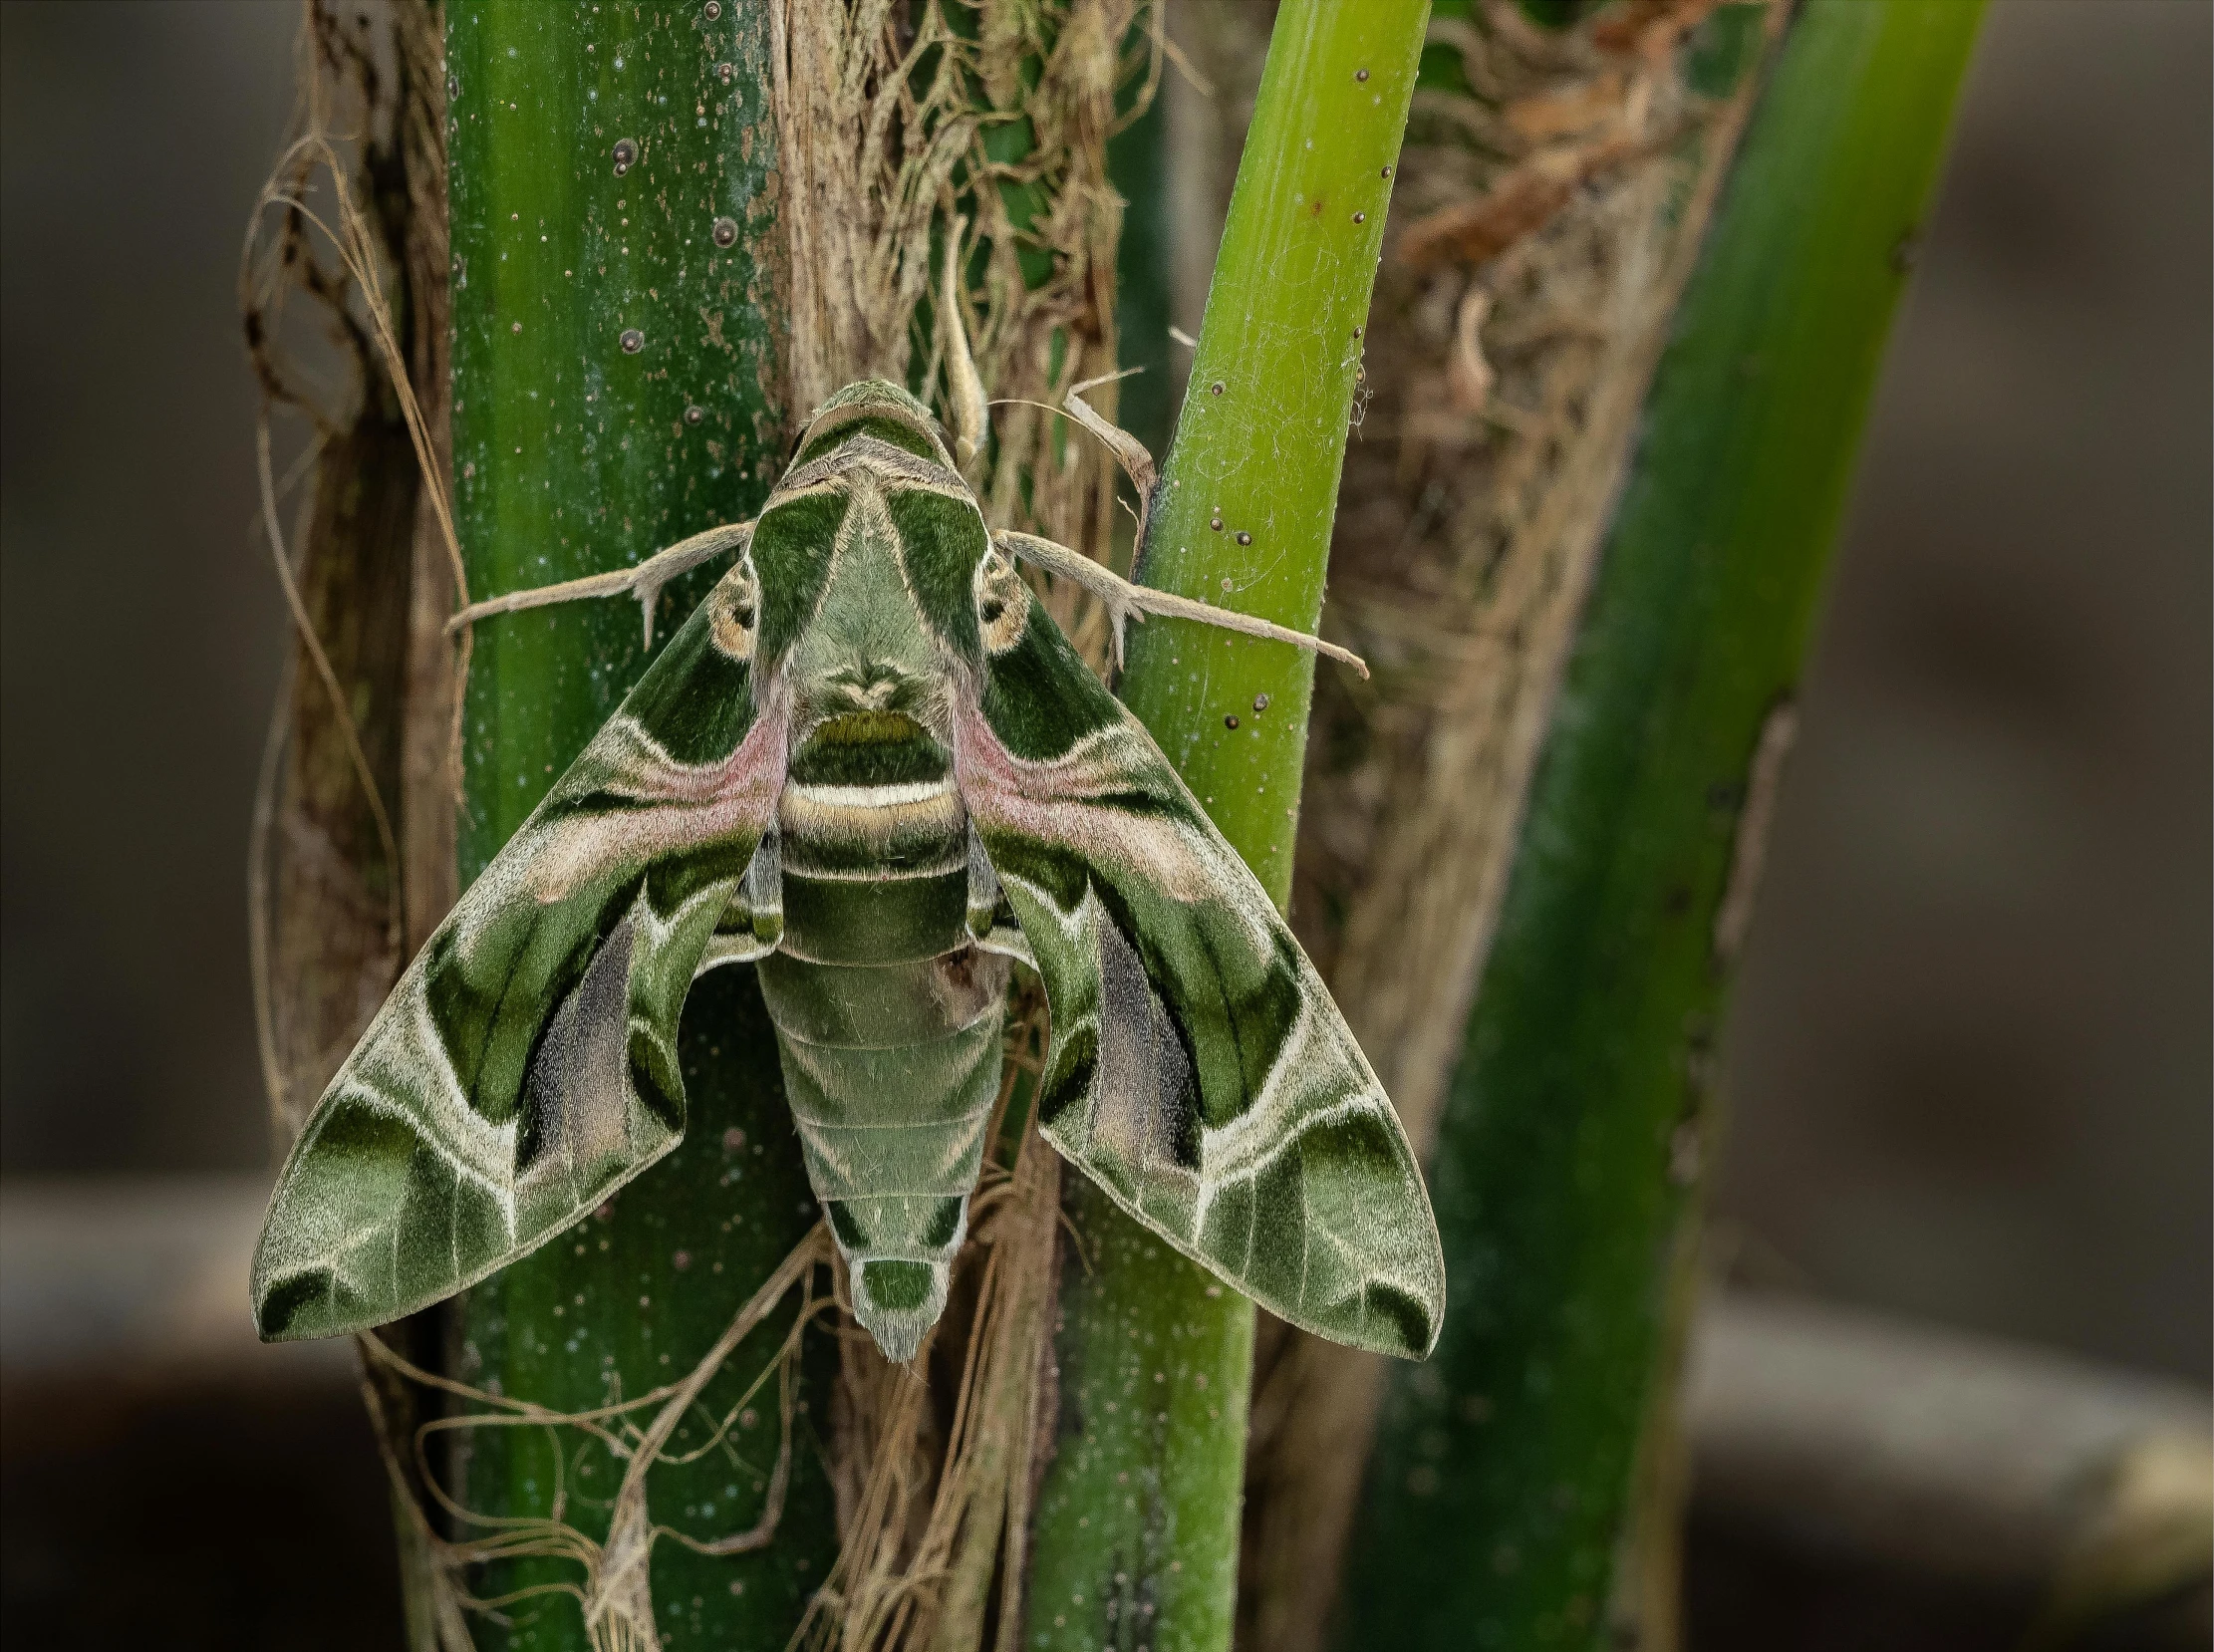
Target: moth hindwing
[[871, 765]]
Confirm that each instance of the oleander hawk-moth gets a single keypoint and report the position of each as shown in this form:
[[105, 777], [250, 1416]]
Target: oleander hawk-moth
[[870, 765]]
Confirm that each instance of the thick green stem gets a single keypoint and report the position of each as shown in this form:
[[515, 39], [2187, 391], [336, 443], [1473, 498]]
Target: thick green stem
[[1137, 1528], [615, 388], [1564, 1177]]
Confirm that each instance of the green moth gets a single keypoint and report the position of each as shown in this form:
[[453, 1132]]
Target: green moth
[[870, 765]]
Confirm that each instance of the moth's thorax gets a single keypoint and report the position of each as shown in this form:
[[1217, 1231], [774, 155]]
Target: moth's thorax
[[875, 842]]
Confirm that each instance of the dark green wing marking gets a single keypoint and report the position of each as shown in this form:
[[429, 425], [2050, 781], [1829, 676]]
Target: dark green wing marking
[[1199, 1070], [526, 1063]]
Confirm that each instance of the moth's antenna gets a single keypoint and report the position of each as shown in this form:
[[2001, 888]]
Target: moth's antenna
[[1125, 601], [645, 581]]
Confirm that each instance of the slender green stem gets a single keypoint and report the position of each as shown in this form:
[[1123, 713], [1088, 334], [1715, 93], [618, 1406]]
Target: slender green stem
[[1564, 1177], [614, 391], [1136, 1539]]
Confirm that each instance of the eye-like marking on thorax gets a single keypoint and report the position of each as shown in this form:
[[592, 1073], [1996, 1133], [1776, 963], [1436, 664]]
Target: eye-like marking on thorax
[[1003, 602], [735, 619]]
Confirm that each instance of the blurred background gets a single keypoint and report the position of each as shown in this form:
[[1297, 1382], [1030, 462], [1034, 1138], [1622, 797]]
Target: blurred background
[[1970, 1053]]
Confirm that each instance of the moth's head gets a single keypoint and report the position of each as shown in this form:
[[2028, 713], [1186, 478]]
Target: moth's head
[[873, 408]]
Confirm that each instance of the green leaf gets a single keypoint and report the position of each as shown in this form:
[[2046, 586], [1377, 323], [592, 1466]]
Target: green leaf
[[1565, 1172]]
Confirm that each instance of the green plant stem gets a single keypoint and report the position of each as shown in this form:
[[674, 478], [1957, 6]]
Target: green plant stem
[[1136, 1541], [614, 390], [1564, 1177]]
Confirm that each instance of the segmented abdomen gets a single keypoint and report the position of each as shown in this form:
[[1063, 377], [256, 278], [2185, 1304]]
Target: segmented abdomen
[[887, 1023]]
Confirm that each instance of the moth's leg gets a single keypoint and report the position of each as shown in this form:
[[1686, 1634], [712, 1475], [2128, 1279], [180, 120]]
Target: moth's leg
[[753, 926], [643, 580], [992, 919], [1125, 601], [984, 898]]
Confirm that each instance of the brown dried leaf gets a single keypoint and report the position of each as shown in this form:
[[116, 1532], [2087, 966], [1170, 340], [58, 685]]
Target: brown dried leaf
[[1567, 111], [1520, 204]]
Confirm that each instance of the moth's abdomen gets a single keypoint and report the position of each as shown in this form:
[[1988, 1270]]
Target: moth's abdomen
[[887, 1018], [892, 1071]]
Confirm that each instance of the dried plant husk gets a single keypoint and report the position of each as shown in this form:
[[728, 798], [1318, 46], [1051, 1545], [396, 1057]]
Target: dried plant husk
[[342, 885], [342, 296]]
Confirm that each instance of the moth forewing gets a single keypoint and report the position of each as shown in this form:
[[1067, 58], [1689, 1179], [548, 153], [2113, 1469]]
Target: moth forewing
[[524, 1066], [871, 765]]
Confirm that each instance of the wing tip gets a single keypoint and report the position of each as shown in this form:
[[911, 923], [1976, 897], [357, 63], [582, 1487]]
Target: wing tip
[[1390, 1320], [298, 1308]]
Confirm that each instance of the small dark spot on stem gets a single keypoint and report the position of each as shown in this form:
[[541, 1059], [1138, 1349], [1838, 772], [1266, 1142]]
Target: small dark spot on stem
[[1216, 389], [723, 72], [694, 414], [452, 88], [725, 232], [1387, 171], [632, 341], [1214, 522], [1356, 331], [1360, 217], [713, 9], [1231, 721], [1360, 73], [625, 155], [1244, 539], [1261, 703]]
